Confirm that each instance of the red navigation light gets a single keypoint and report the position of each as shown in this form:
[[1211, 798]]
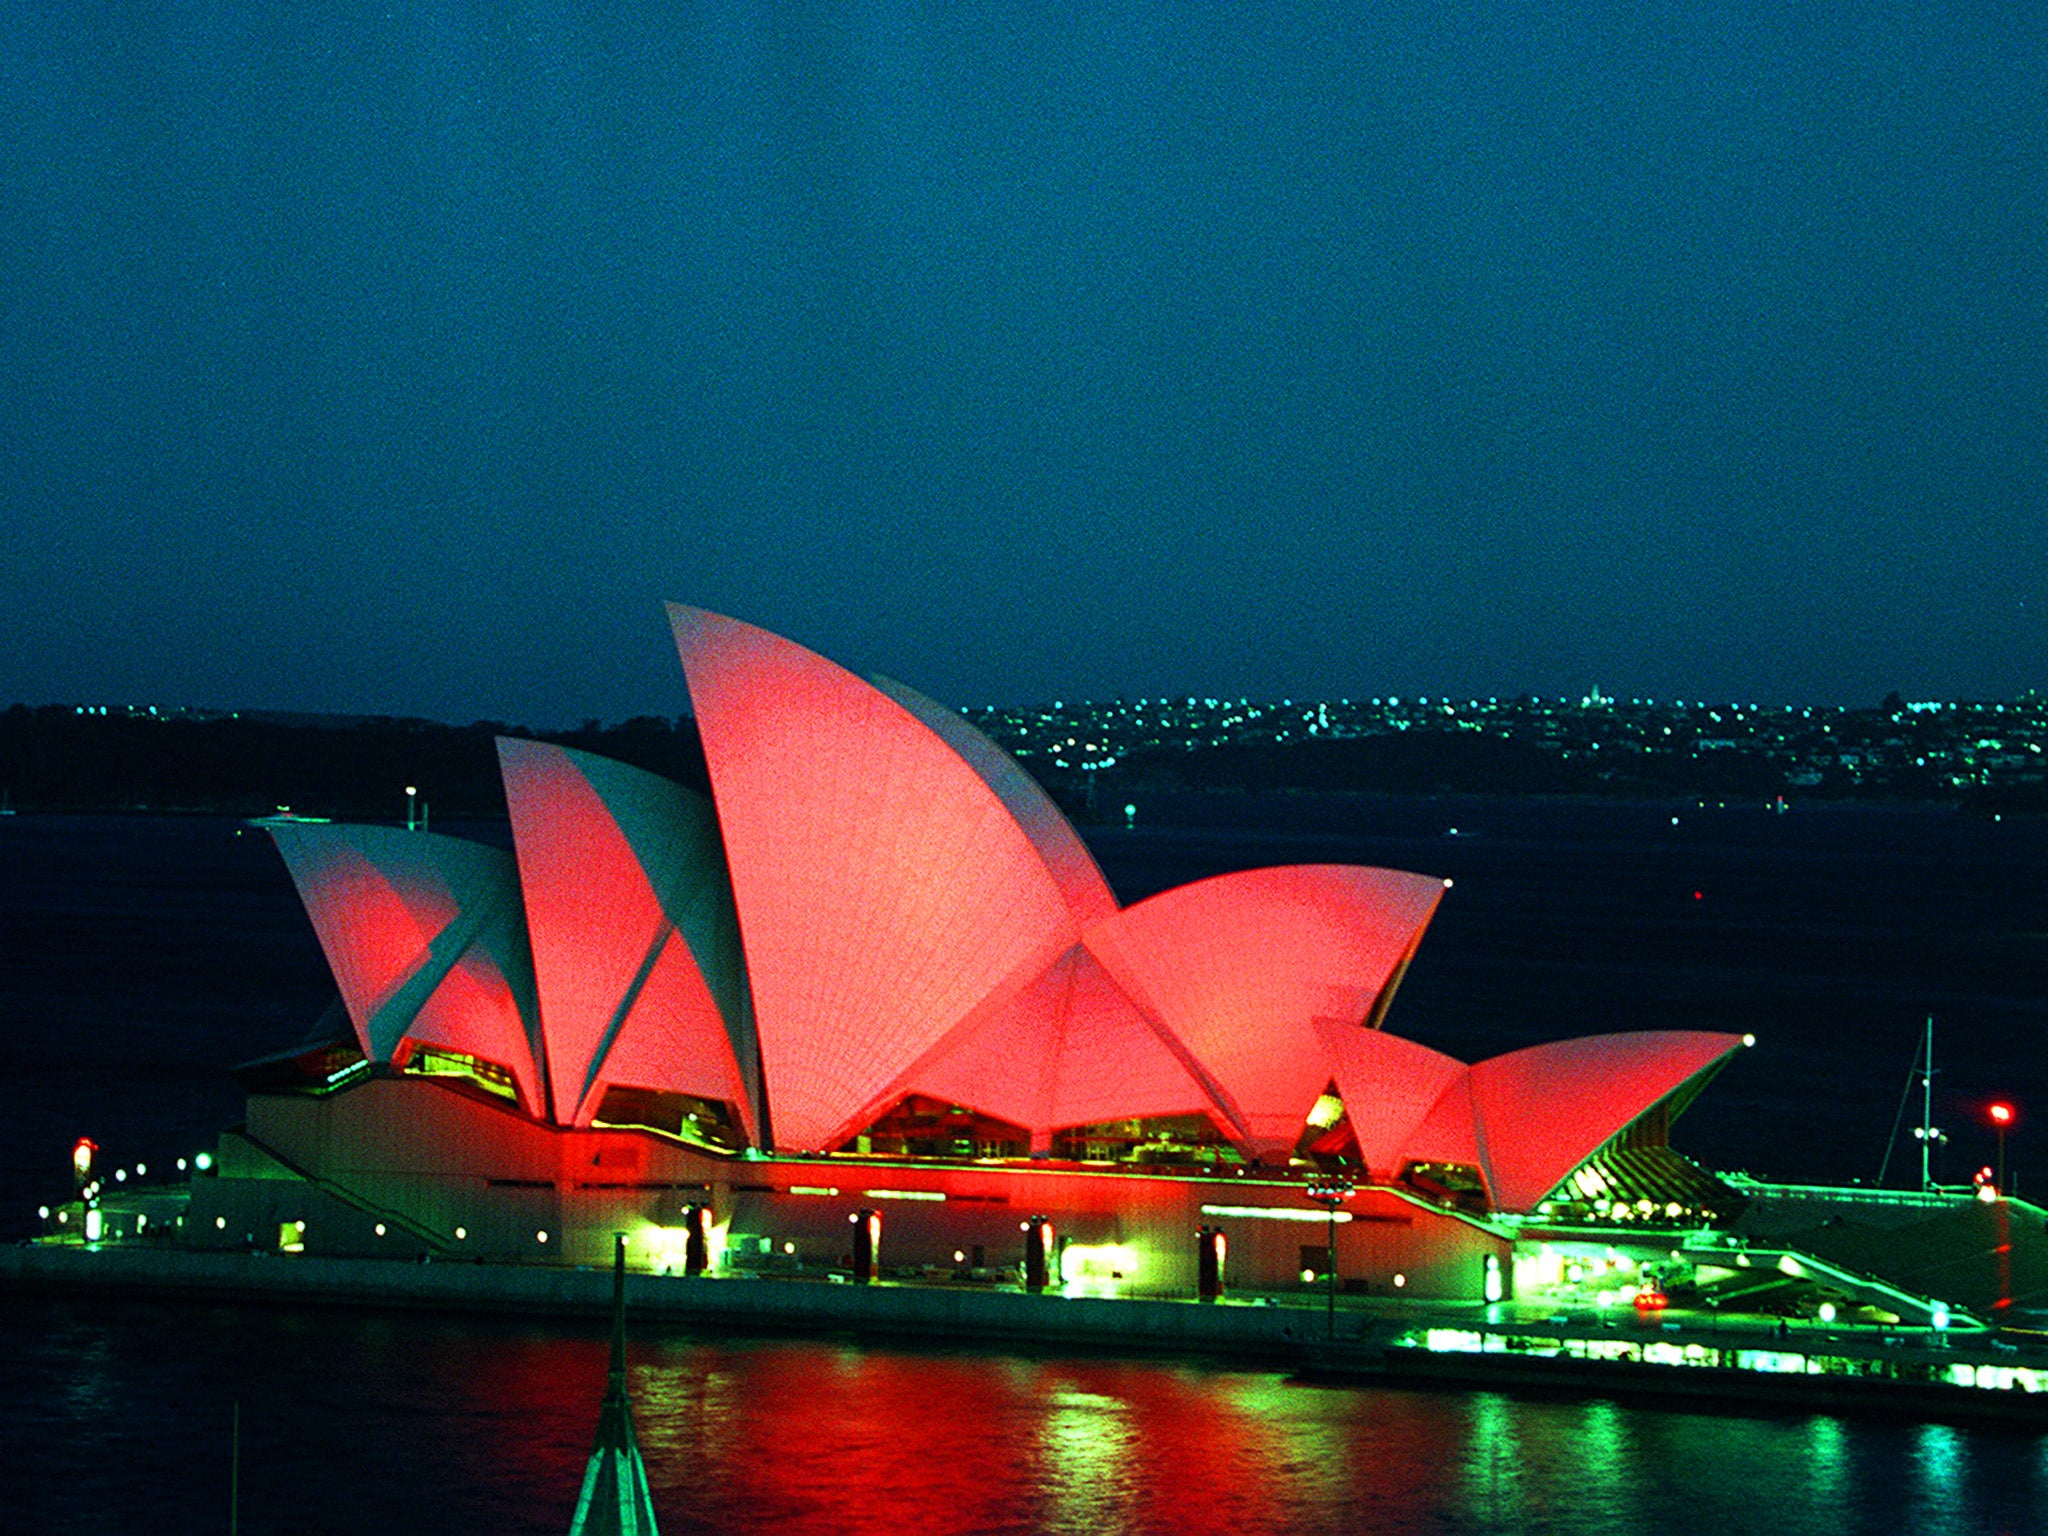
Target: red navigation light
[[2001, 1113], [82, 1155], [1651, 1301]]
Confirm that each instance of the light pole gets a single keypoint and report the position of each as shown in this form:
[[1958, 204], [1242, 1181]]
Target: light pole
[[412, 822], [2002, 1117], [1330, 1193]]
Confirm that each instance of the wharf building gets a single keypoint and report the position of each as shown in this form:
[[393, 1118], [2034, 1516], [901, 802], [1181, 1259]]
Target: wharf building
[[872, 1010]]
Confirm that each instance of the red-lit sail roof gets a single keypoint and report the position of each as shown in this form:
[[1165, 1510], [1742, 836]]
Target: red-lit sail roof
[[1389, 1086], [635, 943], [427, 941], [881, 904], [1527, 1119], [1066, 857], [1241, 967], [1065, 1049], [1545, 1110], [884, 889]]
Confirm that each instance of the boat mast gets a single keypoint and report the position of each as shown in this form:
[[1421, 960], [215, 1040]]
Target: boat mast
[[616, 1500]]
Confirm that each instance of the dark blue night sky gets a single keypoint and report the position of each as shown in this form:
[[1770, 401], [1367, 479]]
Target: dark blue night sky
[[403, 361]]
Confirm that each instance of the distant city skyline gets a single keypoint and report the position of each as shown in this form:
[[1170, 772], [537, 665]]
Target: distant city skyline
[[2028, 702], [404, 364], [1986, 753]]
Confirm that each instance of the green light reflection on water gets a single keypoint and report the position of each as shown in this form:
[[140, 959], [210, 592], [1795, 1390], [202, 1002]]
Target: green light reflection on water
[[1941, 1467], [1085, 1441], [1490, 1471], [1290, 1444], [1827, 1462]]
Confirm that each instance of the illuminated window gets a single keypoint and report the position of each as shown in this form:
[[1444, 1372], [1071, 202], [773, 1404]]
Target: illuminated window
[[709, 1123], [432, 1061], [1175, 1140], [932, 1128]]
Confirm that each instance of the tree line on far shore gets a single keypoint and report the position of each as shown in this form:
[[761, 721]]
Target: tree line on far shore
[[56, 758]]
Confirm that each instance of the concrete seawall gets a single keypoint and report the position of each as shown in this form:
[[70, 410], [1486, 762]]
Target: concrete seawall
[[965, 1314], [1290, 1338]]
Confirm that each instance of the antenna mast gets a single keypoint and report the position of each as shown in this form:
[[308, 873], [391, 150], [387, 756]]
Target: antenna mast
[[1926, 1130]]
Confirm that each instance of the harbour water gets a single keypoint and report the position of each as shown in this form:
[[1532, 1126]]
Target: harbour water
[[139, 957]]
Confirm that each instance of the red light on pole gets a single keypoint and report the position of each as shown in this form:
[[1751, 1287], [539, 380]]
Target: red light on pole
[[2002, 1116]]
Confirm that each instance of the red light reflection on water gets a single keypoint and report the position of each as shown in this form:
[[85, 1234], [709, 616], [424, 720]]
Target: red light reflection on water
[[804, 1437], [400, 1422]]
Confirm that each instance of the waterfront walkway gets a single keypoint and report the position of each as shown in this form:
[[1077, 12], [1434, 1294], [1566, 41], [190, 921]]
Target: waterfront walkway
[[1927, 1372]]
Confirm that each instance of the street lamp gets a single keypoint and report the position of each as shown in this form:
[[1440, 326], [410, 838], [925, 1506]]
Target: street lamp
[[1330, 1192], [2002, 1115], [411, 808]]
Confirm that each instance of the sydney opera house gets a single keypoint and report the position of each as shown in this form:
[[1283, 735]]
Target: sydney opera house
[[873, 1008]]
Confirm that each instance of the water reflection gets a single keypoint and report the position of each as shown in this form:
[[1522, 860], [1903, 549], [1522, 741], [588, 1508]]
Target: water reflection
[[409, 1423], [1492, 1462], [1085, 1450], [1606, 1461], [1828, 1462], [1940, 1486]]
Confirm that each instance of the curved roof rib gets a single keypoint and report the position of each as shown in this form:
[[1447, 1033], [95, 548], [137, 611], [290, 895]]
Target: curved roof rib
[[1240, 968], [1545, 1110], [426, 936], [635, 941], [884, 889], [1065, 855]]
